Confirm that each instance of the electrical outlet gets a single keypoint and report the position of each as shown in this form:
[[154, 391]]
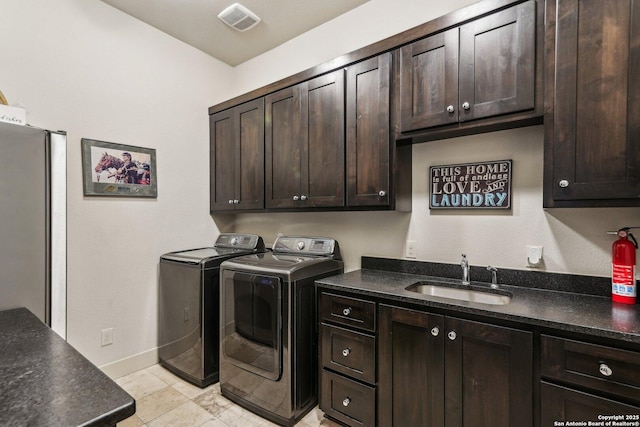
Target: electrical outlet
[[186, 314], [534, 256], [410, 249], [107, 336]]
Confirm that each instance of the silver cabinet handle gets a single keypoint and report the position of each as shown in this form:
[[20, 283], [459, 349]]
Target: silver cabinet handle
[[346, 311], [382, 193], [466, 105], [450, 109], [303, 197], [296, 198], [563, 183], [346, 352], [346, 401], [452, 335], [235, 202], [605, 370], [435, 331], [230, 202]]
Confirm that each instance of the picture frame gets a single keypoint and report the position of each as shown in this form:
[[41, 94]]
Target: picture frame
[[111, 169]]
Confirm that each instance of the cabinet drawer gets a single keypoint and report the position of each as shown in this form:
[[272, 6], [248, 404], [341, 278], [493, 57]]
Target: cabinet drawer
[[564, 404], [348, 311], [348, 352], [347, 401], [598, 367]]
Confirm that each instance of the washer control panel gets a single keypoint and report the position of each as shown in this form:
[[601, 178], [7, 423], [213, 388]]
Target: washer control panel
[[239, 241]]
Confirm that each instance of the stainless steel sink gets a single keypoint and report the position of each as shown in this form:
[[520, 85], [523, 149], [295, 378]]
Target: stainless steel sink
[[461, 293]]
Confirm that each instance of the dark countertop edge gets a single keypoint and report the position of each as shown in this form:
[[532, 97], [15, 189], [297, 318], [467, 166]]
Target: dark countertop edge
[[544, 322], [34, 345], [113, 417]]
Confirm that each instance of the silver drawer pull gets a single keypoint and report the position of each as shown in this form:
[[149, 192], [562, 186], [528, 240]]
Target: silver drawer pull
[[435, 331], [563, 183], [346, 311], [346, 352], [450, 109], [303, 197], [296, 198], [382, 193], [452, 335], [605, 370], [466, 105], [346, 401]]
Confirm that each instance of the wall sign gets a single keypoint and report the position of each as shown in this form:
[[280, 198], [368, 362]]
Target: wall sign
[[484, 185]]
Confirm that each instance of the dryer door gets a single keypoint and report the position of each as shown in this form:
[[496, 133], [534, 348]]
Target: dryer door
[[252, 321]]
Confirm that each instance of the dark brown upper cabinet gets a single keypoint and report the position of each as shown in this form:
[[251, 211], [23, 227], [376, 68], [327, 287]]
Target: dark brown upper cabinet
[[305, 147], [368, 132], [592, 103], [481, 69], [237, 158]]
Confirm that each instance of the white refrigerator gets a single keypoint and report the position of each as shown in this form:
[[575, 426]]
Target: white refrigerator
[[33, 222]]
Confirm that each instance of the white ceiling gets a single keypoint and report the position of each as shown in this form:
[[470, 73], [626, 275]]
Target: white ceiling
[[196, 22]]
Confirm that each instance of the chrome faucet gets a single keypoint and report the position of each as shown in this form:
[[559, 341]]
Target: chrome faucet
[[466, 277], [494, 277]]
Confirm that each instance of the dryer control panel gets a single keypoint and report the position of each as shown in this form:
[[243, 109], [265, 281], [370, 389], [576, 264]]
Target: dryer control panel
[[321, 246]]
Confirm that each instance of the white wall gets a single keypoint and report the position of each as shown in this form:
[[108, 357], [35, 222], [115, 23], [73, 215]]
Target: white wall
[[86, 68], [574, 240]]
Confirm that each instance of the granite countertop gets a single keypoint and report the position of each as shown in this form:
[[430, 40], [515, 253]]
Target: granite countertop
[[565, 311], [46, 382]]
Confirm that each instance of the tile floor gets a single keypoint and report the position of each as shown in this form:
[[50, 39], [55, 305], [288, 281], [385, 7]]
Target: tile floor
[[162, 399]]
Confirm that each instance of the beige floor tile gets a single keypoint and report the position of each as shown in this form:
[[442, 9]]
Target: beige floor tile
[[215, 423], [186, 415], [132, 421], [165, 400], [162, 373], [158, 403], [213, 402], [190, 390], [140, 384]]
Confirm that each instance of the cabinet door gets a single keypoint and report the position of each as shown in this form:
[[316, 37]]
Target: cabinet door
[[410, 368], [497, 63], [249, 174], [429, 82], [283, 147], [368, 132], [222, 160], [489, 375], [560, 404], [237, 157], [322, 153], [592, 140]]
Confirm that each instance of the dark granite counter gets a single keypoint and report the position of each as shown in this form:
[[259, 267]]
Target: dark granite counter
[[594, 315], [46, 382]]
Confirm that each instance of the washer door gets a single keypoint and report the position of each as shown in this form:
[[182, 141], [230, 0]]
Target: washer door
[[252, 322]]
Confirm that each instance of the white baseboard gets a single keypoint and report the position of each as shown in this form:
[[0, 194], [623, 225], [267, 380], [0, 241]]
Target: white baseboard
[[130, 364]]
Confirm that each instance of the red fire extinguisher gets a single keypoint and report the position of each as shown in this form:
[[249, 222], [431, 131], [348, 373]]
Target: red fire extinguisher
[[623, 268]]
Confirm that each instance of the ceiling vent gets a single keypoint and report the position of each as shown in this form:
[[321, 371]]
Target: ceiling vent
[[239, 17]]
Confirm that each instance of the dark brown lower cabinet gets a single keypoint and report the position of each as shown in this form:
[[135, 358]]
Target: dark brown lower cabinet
[[560, 405], [443, 371]]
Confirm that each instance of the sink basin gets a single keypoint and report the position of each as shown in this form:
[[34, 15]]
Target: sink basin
[[461, 293]]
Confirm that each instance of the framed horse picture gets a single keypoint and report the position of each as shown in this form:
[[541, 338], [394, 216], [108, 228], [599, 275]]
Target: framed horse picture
[[110, 169]]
